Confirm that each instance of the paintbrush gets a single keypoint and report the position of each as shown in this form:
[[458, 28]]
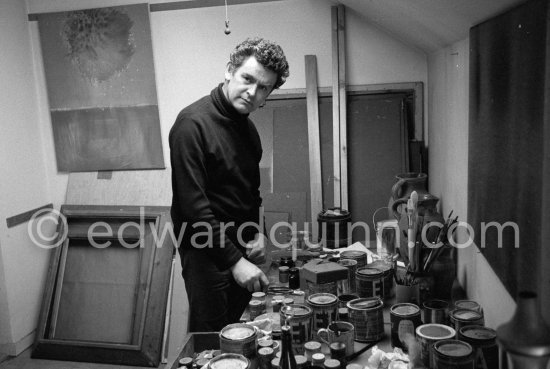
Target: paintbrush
[[410, 233]]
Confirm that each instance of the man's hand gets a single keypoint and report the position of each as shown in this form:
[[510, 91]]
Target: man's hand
[[249, 276], [255, 250]]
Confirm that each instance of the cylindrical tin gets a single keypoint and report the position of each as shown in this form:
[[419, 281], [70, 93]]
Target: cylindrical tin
[[283, 274], [265, 355], [229, 360], [357, 255], [435, 311], [468, 305], [318, 359], [299, 317], [351, 265], [329, 287], [333, 228], [367, 317], [387, 276], [369, 282], [427, 335], [453, 354], [343, 314], [325, 309], [301, 361], [483, 342], [239, 338], [461, 317], [404, 318], [332, 364], [186, 362], [311, 348], [255, 309], [338, 351]]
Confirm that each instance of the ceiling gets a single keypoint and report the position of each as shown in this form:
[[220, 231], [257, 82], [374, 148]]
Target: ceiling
[[428, 24]]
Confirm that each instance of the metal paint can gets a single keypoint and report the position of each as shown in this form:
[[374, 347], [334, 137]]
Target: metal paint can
[[462, 317], [483, 342], [387, 276], [229, 360], [427, 335], [370, 282], [349, 285], [239, 338], [435, 311], [453, 354], [325, 310], [468, 305], [299, 317], [367, 317], [404, 318], [357, 255]]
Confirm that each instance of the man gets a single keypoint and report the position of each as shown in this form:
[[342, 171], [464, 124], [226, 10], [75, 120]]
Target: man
[[215, 152]]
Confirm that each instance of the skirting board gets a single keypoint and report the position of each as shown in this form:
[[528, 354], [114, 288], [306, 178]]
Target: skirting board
[[15, 348]]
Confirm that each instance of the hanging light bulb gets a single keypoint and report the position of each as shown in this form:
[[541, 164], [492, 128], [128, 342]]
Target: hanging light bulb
[[227, 30]]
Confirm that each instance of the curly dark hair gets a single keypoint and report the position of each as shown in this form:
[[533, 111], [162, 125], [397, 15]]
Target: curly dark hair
[[268, 54]]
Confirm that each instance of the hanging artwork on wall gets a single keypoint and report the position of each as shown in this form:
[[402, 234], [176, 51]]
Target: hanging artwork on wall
[[100, 79]]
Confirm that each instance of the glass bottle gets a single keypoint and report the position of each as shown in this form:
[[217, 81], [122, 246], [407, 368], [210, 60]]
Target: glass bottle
[[287, 360]]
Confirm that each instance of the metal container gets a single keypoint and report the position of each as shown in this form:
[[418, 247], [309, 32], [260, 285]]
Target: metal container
[[239, 338], [366, 315], [299, 317], [483, 342], [370, 282], [435, 311], [348, 286], [461, 317], [229, 360], [357, 255], [453, 354], [387, 276], [404, 318], [325, 310], [428, 335], [468, 305]]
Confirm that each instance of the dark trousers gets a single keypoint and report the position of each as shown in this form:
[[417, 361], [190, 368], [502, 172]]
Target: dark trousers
[[215, 299]]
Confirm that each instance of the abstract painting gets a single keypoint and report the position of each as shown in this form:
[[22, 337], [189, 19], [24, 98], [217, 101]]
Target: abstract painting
[[100, 80]]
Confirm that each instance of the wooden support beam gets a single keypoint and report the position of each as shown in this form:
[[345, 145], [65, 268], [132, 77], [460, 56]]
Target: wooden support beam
[[335, 109], [343, 110], [314, 143]]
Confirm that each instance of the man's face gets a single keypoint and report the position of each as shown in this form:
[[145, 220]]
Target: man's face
[[247, 87]]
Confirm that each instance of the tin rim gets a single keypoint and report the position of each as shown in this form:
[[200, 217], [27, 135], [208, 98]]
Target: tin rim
[[488, 334], [322, 299], [394, 309], [365, 303], [366, 272], [447, 342], [467, 315], [238, 325], [220, 357], [451, 331]]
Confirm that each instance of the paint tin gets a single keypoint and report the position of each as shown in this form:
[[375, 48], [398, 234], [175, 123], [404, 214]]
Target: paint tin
[[387, 276], [404, 318], [483, 342], [370, 282], [239, 338], [435, 311], [229, 360], [468, 305], [299, 317], [461, 317], [255, 309], [325, 310], [348, 286], [427, 335], [357, 255], [366, 315], [453, 354]]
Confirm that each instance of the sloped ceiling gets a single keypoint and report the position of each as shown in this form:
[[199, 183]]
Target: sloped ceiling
[[428, 24]]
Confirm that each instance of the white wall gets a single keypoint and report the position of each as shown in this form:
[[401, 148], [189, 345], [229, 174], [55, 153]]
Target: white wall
[[190, 52], [448, 137], [24, 184]]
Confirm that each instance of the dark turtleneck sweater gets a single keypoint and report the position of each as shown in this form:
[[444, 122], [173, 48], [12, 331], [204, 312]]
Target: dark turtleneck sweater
[[215, 154]]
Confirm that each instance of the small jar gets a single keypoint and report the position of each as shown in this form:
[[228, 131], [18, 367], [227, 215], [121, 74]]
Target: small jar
[[332, 364], [283, 274], [260, 296], [301, 361], [311, 348], [318, 359], [286, 261], [338, 352], [185, 362], [294, 279]]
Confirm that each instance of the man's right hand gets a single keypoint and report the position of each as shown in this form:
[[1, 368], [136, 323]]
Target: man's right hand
[[249, 276]]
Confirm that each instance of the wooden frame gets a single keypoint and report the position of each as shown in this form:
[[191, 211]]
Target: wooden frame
[[135, 242]]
